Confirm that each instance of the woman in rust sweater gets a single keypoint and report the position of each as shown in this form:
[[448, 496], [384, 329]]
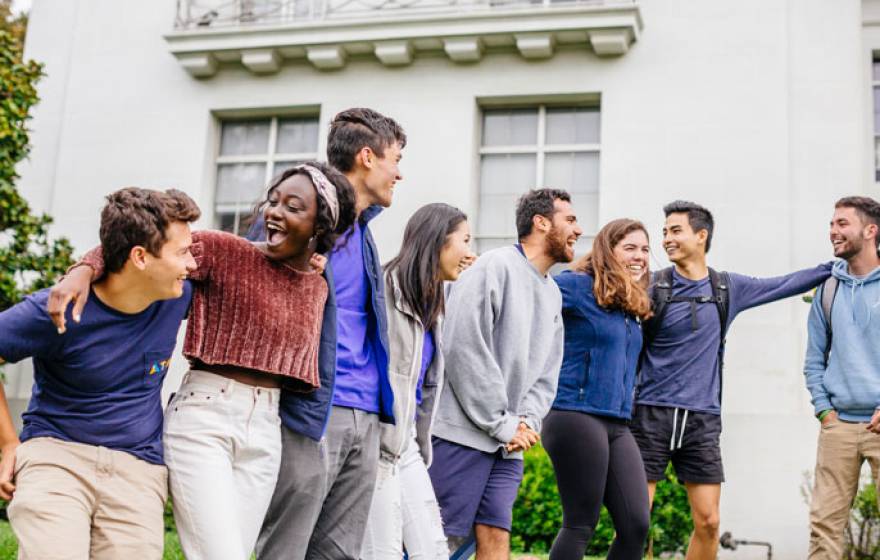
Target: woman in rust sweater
[[253, 330]]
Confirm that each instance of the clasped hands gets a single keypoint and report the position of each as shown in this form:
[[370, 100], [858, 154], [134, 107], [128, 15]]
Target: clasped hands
[[523, 439]]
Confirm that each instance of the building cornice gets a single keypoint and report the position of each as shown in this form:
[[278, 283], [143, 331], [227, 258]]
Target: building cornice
[[396, 39]]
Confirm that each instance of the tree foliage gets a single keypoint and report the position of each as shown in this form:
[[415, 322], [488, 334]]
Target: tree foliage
[[29, 258]]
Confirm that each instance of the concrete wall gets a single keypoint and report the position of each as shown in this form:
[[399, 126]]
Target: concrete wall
[[759, 109]]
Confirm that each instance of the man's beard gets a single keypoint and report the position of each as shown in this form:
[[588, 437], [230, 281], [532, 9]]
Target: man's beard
[[851, 248], [557, 246]]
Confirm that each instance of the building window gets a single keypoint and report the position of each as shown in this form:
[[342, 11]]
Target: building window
[[541, 146], [876, 80], [252, 152]]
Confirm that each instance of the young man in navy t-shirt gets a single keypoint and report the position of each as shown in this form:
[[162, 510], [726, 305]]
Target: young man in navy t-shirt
[[678, 399], [89, 480]]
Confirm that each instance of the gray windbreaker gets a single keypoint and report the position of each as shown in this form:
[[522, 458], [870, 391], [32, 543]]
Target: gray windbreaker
[[406, 338]]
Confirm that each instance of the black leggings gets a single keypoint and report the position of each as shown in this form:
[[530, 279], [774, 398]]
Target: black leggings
[[596, 461]]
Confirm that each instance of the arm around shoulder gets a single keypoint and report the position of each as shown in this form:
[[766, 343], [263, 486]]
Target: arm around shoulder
[[748, 291]]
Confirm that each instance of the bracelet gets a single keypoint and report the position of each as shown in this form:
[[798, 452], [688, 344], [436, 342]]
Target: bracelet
[[821, 416]]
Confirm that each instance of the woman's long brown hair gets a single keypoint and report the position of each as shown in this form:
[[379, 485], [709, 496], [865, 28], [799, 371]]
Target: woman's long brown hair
[[612, 284]]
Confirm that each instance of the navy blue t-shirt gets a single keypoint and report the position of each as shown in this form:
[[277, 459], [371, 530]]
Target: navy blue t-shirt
[[680, 365], [99, 383]]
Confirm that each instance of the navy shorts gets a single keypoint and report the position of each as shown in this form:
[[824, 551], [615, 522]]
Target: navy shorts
[[473, 486], [692, 443]]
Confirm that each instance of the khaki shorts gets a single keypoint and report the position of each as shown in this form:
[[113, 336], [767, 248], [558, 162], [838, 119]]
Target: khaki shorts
[[77, 501]]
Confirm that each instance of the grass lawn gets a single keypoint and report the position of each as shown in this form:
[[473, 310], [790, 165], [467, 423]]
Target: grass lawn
[[9, 547]]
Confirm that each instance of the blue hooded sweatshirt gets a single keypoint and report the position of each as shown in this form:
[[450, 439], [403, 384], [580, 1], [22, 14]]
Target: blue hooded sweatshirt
[[850, 382]]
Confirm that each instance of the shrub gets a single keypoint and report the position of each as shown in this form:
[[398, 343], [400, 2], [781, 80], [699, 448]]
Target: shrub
[[671, 522], [863, 530], [537, 513]]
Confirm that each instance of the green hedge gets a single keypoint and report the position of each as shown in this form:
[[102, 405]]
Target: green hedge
[[537, 514]]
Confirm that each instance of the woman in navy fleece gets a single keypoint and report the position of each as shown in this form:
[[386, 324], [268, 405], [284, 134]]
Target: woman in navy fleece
[[586, 434]]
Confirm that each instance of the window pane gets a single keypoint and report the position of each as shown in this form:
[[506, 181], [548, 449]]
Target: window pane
[[296, 136], [507, 173], [516, 127], [877, 155], [240, 183], [877, 71], [576, 172], [877, 109], [586, 208], [572, 126], [226, 221], [498, 214], [503, 179], [241, 138], [282, 166]]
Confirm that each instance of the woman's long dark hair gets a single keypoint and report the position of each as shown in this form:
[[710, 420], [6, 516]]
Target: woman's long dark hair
[[417, 266]]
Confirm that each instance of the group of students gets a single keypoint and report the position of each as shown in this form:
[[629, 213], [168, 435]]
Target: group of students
[[336, 408]]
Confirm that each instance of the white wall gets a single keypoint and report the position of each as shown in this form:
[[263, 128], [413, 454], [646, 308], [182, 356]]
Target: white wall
[[755, 108]]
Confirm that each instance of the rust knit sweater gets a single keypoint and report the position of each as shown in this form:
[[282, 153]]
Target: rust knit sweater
[[249, 311]]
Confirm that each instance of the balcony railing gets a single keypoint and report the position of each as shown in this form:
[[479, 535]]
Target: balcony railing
[[194, 14]]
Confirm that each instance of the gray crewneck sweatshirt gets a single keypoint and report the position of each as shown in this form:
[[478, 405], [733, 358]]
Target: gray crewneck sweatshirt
[[503, 343]]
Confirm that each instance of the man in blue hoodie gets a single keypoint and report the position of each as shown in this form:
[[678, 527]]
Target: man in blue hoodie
[[842, 369], [678, 412]]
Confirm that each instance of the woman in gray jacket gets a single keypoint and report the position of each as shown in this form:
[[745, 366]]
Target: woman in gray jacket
[[404, 513]]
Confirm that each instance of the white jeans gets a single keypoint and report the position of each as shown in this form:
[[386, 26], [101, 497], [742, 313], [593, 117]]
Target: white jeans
[[404, 512], [223, 450]]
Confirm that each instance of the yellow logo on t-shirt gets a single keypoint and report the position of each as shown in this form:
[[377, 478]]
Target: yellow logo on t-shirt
[[159, 367]]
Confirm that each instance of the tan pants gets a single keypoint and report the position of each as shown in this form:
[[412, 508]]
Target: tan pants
[[76, 501], [843, 447]]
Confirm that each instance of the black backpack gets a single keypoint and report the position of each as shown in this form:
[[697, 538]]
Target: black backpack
[[661, 296]]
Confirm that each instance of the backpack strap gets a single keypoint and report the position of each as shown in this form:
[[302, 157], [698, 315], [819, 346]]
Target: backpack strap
[[826, 295], [661, 295], [720, 282], [721, 294]]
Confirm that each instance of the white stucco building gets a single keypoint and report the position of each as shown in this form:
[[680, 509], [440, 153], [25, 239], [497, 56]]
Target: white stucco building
[[759, 109]]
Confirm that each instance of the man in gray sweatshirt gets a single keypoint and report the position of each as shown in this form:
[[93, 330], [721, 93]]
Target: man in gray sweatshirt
[[504, 340]]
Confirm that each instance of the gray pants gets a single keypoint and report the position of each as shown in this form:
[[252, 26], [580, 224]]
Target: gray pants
[[324, 491]]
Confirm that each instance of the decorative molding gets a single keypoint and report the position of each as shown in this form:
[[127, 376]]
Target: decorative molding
[[394, 53], [610, 42], [396, 39], [537, 45], [261, 61], [463, 49], [327, 57], [199, 65]]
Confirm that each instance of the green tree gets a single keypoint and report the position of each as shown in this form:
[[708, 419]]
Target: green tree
[[29, 259]]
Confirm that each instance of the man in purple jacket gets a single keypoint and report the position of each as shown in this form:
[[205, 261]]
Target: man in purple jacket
[[678, 398]]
